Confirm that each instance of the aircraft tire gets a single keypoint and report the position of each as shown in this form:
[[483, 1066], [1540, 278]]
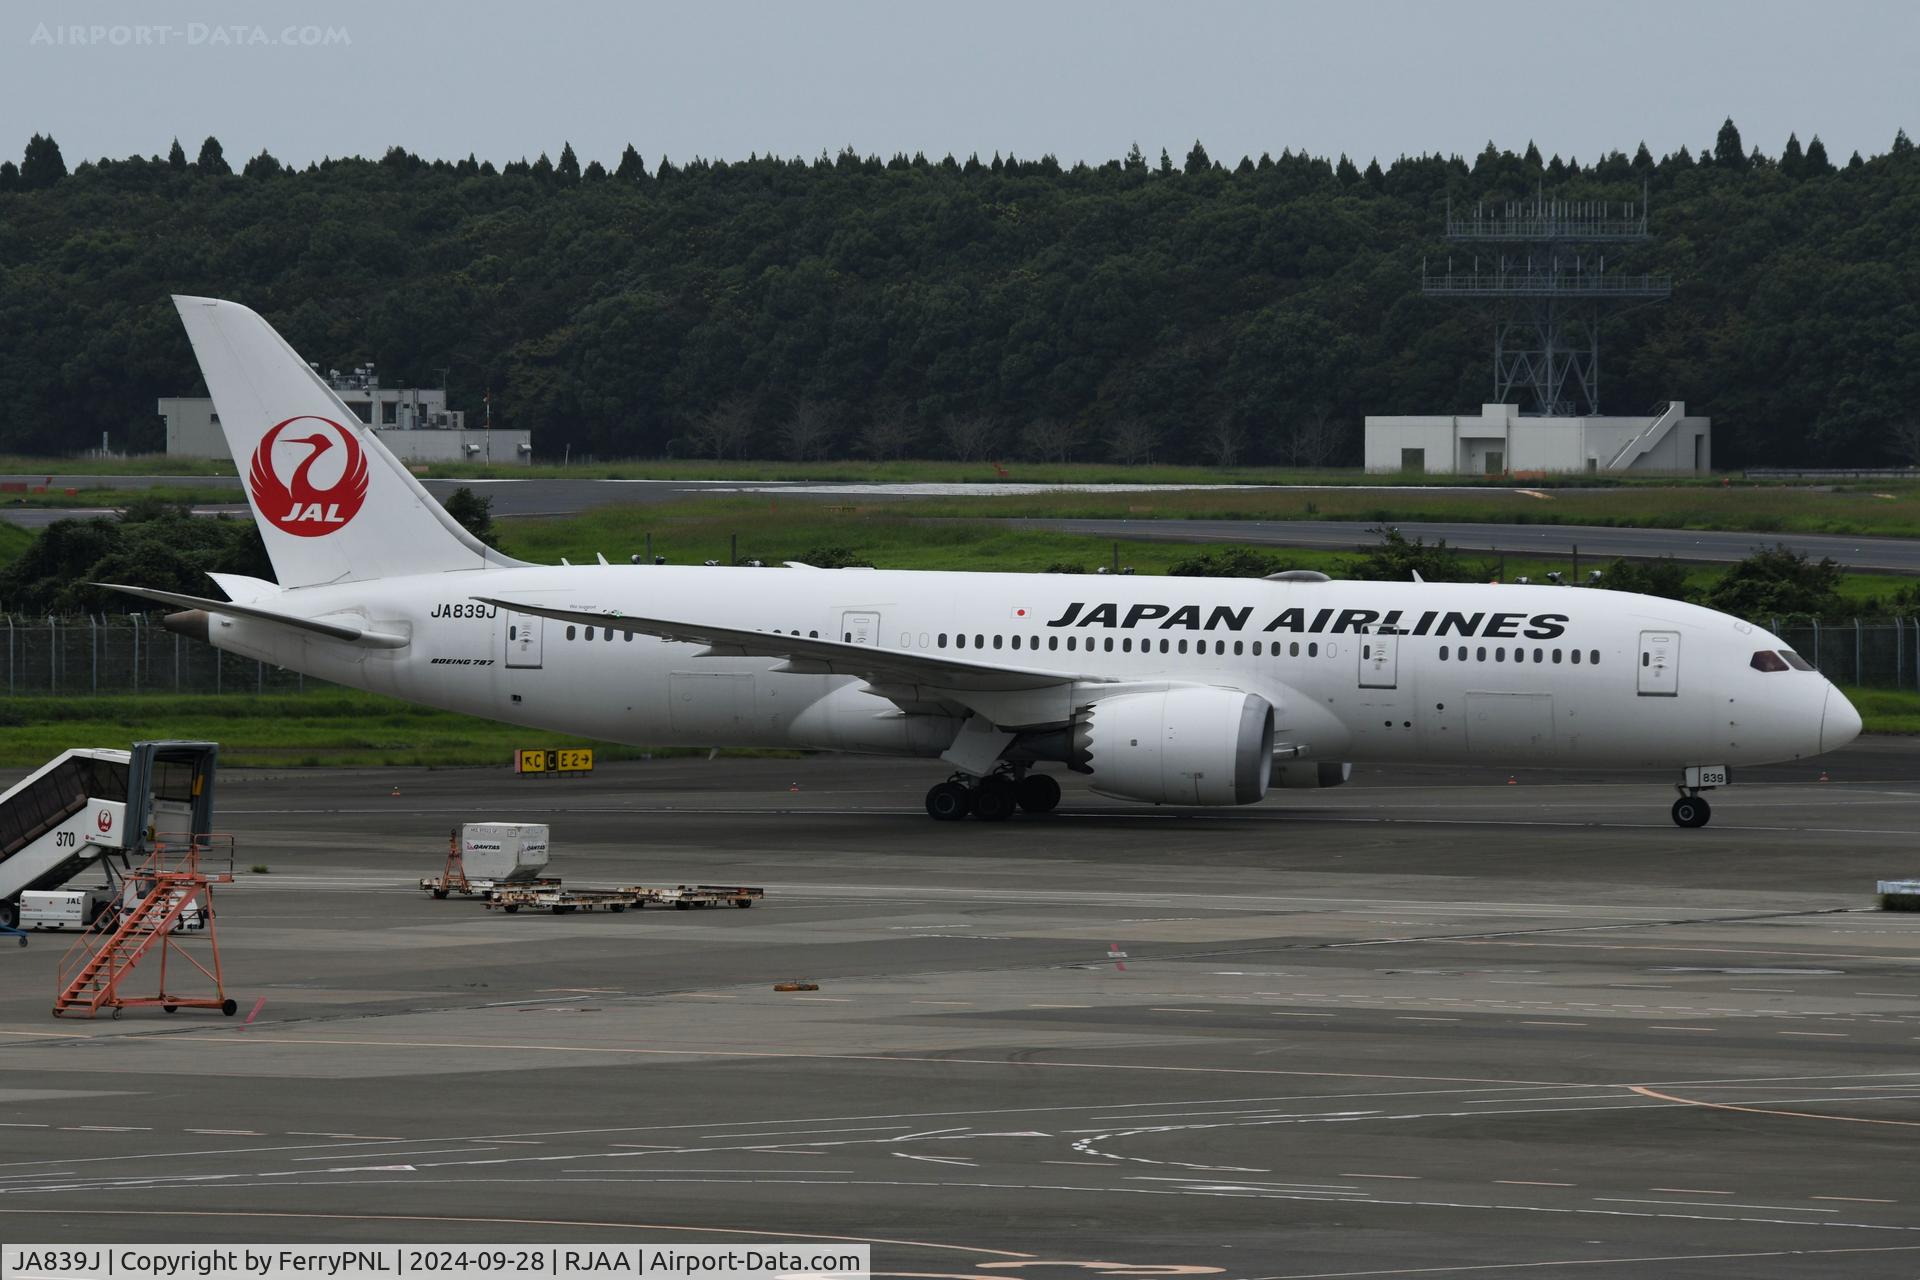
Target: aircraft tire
[[9, 915], [994, 800], [1691, 811], [1037, 793], [949, 802]]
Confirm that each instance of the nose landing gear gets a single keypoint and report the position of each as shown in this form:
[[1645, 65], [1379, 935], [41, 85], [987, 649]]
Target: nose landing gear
[[1692, 809]]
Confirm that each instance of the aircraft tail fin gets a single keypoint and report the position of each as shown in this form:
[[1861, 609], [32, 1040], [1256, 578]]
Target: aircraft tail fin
[[333, 503]]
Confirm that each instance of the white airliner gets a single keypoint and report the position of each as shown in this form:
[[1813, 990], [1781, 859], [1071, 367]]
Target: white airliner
[[1178, 691]]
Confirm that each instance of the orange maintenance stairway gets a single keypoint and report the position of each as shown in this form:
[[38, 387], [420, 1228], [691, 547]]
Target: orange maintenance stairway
[[165, 920]]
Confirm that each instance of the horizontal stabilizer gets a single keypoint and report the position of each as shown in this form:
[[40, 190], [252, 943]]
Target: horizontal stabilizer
[[332, 630]]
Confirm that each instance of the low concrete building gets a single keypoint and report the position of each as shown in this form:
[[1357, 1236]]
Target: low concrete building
[[1501, 440], [413, 422]]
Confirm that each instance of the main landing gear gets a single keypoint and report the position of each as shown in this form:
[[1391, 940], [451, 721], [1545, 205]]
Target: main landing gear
[[993, 798]]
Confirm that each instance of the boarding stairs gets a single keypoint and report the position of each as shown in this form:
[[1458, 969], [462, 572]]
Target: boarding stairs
[[68, 813], [164, 916], [1649, 437]]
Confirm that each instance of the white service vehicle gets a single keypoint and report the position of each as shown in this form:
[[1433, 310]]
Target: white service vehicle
[[1181, 691]]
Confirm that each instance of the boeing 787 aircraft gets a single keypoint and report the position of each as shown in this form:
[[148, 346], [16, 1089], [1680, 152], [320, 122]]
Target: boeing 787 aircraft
[[1177, 691]]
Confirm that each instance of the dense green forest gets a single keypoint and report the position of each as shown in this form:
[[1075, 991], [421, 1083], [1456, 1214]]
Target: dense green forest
[[1142, 309]]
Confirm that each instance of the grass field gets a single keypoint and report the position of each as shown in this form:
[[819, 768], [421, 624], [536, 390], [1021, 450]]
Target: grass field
[[1886, 710], [694, 532], [343, 728], [61, 499]]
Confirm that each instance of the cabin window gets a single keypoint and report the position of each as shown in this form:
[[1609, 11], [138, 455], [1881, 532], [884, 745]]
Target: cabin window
[[960, 641], [1073, 642], [1053, 642], [996, 642], [1593, 658], [813, 635], [513, 633], [943, 639], [1016, 642], [1445, 649], [1183, 646], [1537, 653], [1500, 654], [1126, 646], [1556, 655], [589, 633], [1480, 654], [1762, 660], [1313, 650], [1164, 646], [569, 633], [1238, 648], [1256, 648], [979, 641], [1575, 657], [1795, 661], [630, 636], [1219, 648], [1109, 644]]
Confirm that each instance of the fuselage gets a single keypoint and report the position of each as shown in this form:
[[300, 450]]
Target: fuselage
[[1356, 671]]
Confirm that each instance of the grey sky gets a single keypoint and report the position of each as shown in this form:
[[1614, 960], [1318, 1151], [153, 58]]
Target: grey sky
[[1073, 77]]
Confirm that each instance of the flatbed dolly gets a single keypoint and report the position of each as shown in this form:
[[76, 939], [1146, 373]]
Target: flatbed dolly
[[686, 896], [560, 901], [460, 887], [510, 898]]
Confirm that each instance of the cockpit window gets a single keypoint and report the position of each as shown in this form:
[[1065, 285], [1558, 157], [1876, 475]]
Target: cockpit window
[[1767, 660], [1795, 661]]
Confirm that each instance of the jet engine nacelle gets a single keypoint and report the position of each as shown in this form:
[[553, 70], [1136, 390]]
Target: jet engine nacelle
[[1301, 775], [1177, 746]]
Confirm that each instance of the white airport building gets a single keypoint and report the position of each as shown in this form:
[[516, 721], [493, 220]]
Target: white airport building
[[1501, 440], [413, 422]]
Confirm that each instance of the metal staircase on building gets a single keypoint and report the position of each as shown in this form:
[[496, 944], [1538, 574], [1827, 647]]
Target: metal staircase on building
[[164, 917], [1649, 437]]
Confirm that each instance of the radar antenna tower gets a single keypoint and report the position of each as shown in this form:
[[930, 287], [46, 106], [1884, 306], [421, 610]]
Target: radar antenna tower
[[1541, 266]]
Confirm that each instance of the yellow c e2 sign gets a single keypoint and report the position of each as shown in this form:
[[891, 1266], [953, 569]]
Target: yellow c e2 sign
[[550, 760]]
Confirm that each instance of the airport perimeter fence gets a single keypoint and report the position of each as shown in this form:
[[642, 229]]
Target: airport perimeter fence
[[131, 653]]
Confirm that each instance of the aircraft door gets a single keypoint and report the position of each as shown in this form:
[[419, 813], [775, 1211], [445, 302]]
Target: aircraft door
[[1379, 660], [1659, 664], [523, 639], [859, 627]]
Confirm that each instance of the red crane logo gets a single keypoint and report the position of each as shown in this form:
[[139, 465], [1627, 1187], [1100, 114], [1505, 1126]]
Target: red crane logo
[[301, 507]]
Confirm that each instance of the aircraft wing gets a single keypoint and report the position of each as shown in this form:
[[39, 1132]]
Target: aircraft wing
[[877, 666]]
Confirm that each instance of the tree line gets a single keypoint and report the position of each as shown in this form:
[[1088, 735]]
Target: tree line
[[1140, 309]]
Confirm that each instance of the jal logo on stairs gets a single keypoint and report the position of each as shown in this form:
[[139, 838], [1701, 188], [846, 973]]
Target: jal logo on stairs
[[308, 506], [104, 820]]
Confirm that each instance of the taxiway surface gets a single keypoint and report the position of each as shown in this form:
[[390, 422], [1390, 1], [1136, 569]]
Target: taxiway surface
[[1431, 1023]]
